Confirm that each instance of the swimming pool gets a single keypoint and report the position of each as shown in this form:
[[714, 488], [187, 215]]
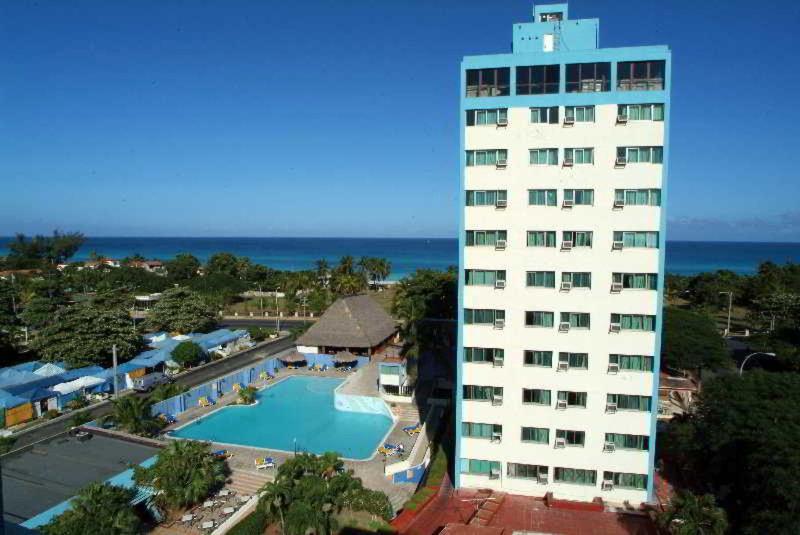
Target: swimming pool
[[297, 411]]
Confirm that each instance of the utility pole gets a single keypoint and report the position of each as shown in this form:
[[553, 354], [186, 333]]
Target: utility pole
[[277, 313], [730, 305], [114, 365]]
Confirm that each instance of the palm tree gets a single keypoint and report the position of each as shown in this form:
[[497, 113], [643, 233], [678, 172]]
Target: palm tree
[[346, 265], [166, 391], [97, 508], [247, 395], [276, 497], [132, 414], [689, 514], [323, 272], [185, 473]]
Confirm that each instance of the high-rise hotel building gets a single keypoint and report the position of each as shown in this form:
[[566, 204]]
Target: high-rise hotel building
[[564, 152]]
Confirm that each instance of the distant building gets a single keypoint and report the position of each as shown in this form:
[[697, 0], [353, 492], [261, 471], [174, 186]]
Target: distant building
[[356, 324], [153, 266]]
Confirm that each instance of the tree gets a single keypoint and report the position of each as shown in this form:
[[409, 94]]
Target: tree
[[225, 263], [26, 252], [166, 391], [185, 473], [183, 267], [689, 514], [133, 414], [218, 288], [40, 311], [691, 341], [376, 269], [97, 508], [84, 334], [740, 444], [247, 395], [188, 354], [181, 310]]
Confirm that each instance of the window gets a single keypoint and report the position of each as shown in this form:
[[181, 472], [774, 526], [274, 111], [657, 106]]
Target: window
[[579, 114], [480, 467], [578, 279], [540, 279], [642, 112], [482, 316], [538, 358], [542, 197], [545, 115], [575, 360], [484, 237], [473, 430], [588, 77], [536, 396], [626, 481], [628, 442], [629, 402], [576, 320], [538, 80], [638, 197], [486, 157], [541, 238], [482, 354], [486, 198], [573, 399], [550, 17], [636, 281], [481, 393], [579, 197], [638, 363], [635, 322], [579, 156], [491, 117], [488, 82], [641, 154], [572, 438], [577, 476], [640, 75], [526, 471], [538, 319], [579, 238], [480, 277], [645, 239], [544, 156], [539, 435]]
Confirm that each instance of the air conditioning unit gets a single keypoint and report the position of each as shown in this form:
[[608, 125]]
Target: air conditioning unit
[[501, 164], [609, 447], [498, 362], [497, 437], [499, 324], [615, 328], [622, 119], [617, 245], [621, 161], [616, 287], [500, 203], [568, 203], [566, 245], [563, 326], [613, 367], [502, 121], [497, 399], [568, 162], [566, 286], [561, 443], [500, 245], [542, 478], [619, 203], [563, 365], [611, 408], [494, 473], [561, 404], [607, 484], [499, 284], [569, 120]]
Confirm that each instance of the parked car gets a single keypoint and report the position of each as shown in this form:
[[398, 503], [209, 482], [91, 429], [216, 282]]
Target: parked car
[[148, 382]]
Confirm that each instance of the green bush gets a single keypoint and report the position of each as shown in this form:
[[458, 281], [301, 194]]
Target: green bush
[[253, 524], [188, 354]]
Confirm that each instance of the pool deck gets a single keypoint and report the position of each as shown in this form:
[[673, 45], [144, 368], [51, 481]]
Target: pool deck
[[371, 472]]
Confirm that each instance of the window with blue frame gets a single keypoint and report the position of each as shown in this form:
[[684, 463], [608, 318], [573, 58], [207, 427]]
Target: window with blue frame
[[544, 156], [641, 112], [628, 442], [537, 435], [635, 322], [579, 197], [483, 354], [641, 75], [541, 238], [481, 393], [636, 363], [538, 318], [542, 197], [576, 320], [480, 467], [645, 239], [580, 156], [538, 79], [492, 117], [636, 281], [579, 361], [641, 154], [543, 359], [526, 471], [480, 430], [486, 198], [630, 402], [578, 238], [540, 279], [588, 77], [535, 396], [486, 157], [483, 277], [638, 197], [579, 114], [571, 437], [493, 82], [577, 279], [487, 238], [575, 476], [545, 115], [482, 316]]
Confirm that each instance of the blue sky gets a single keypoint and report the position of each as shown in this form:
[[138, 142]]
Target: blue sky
[[340, 118]]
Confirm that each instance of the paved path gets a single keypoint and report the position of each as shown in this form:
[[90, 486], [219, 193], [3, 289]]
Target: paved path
[[190, 379]]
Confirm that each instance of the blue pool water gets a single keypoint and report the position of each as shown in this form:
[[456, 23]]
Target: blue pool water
[[297, 408]]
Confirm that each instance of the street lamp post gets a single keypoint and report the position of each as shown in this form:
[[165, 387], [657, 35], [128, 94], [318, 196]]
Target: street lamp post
[[277, 313], [730, 305], [741, 368]]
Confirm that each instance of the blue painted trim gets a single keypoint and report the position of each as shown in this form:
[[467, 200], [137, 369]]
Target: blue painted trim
[[521, 59], [661, 283], [459, 390], [566, 99]]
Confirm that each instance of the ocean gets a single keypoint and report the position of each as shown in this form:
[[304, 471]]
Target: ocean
[[409, 254]]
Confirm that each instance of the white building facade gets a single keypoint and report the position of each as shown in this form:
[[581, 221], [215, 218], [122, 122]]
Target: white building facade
[[564, 150]]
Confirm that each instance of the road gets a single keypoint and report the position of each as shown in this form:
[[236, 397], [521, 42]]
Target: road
[[190, 379], [244, 322]]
